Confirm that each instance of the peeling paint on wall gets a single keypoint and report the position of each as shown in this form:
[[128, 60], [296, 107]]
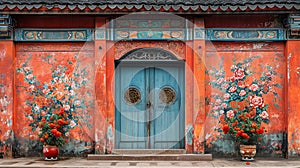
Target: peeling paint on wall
[[189, 134]]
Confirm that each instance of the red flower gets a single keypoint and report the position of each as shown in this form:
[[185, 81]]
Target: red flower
[[256, 101], [245, 135], [57, 134], [52, 125], [61, 122], [226, 129], [239, 73], [260, 131], [53, 131], [42, 139], [254, 87]]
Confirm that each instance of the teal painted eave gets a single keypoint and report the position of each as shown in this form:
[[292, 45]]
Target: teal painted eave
[[245, 34]]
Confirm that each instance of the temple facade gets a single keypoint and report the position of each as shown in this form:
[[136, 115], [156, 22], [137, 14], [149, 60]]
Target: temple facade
[[142, 73]]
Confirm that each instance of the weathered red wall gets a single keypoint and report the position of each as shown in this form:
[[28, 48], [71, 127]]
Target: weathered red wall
[[293, 96], [99, 56]]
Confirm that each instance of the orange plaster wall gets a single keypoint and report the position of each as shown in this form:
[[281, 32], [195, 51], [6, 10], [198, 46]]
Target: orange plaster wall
[[293, 62], [7, 51]]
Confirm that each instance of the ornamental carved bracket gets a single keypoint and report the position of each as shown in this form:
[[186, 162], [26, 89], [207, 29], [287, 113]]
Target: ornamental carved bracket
[[147, 54], [6, 26], [293, 26], [177, 48]]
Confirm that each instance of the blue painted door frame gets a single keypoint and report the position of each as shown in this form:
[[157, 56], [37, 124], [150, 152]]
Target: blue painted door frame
[[149, 111]]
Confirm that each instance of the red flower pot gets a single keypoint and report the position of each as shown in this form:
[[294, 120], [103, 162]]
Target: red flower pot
[[50, 152]]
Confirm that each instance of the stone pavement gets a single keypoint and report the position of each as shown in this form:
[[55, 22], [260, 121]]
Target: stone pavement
[[83, 162]]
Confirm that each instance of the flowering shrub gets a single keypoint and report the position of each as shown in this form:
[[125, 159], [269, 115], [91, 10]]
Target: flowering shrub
[[53, 105], [239, 102]]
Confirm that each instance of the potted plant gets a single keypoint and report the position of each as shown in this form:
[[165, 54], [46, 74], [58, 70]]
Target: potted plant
[[53, 133], [239, 104], [53, 106]]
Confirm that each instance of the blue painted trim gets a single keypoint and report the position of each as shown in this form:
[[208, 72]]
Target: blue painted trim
[[146, 34], [245, 34], [55, 35]]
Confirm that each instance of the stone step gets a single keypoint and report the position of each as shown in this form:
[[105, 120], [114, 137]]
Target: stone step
[[152, 157], [148, 151]]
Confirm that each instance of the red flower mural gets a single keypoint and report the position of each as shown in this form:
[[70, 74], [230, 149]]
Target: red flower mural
[[239, 103]]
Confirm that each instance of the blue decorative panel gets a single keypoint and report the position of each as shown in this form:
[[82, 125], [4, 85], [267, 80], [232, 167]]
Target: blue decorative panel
[[100, 34], [146, 34], [199, 33], [53, 35], [146, 27], [227, 34]]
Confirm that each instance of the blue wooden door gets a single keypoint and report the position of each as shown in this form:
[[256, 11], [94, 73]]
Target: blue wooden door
[[149, 107]]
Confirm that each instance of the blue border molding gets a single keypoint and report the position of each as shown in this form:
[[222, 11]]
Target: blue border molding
[[55, 35], [245, 34], [6, 27], [293, 26]]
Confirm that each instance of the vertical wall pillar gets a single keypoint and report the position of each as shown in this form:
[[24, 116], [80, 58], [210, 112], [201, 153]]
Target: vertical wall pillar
[[100, 117], [199, 85], [7, 55], [293, 96], [292, 85]]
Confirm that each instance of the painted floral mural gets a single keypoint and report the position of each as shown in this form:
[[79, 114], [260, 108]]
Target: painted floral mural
[[57, 102], [54, 105], [240, 104], [240, 80]]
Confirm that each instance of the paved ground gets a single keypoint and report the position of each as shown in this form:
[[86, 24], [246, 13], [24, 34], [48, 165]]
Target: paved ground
[[83, 162]]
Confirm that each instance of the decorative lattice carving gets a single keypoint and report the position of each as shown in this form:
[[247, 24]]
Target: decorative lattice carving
[[150, 54]]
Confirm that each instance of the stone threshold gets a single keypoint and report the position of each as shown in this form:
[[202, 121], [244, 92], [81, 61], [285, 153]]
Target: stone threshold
[[152, 157]]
